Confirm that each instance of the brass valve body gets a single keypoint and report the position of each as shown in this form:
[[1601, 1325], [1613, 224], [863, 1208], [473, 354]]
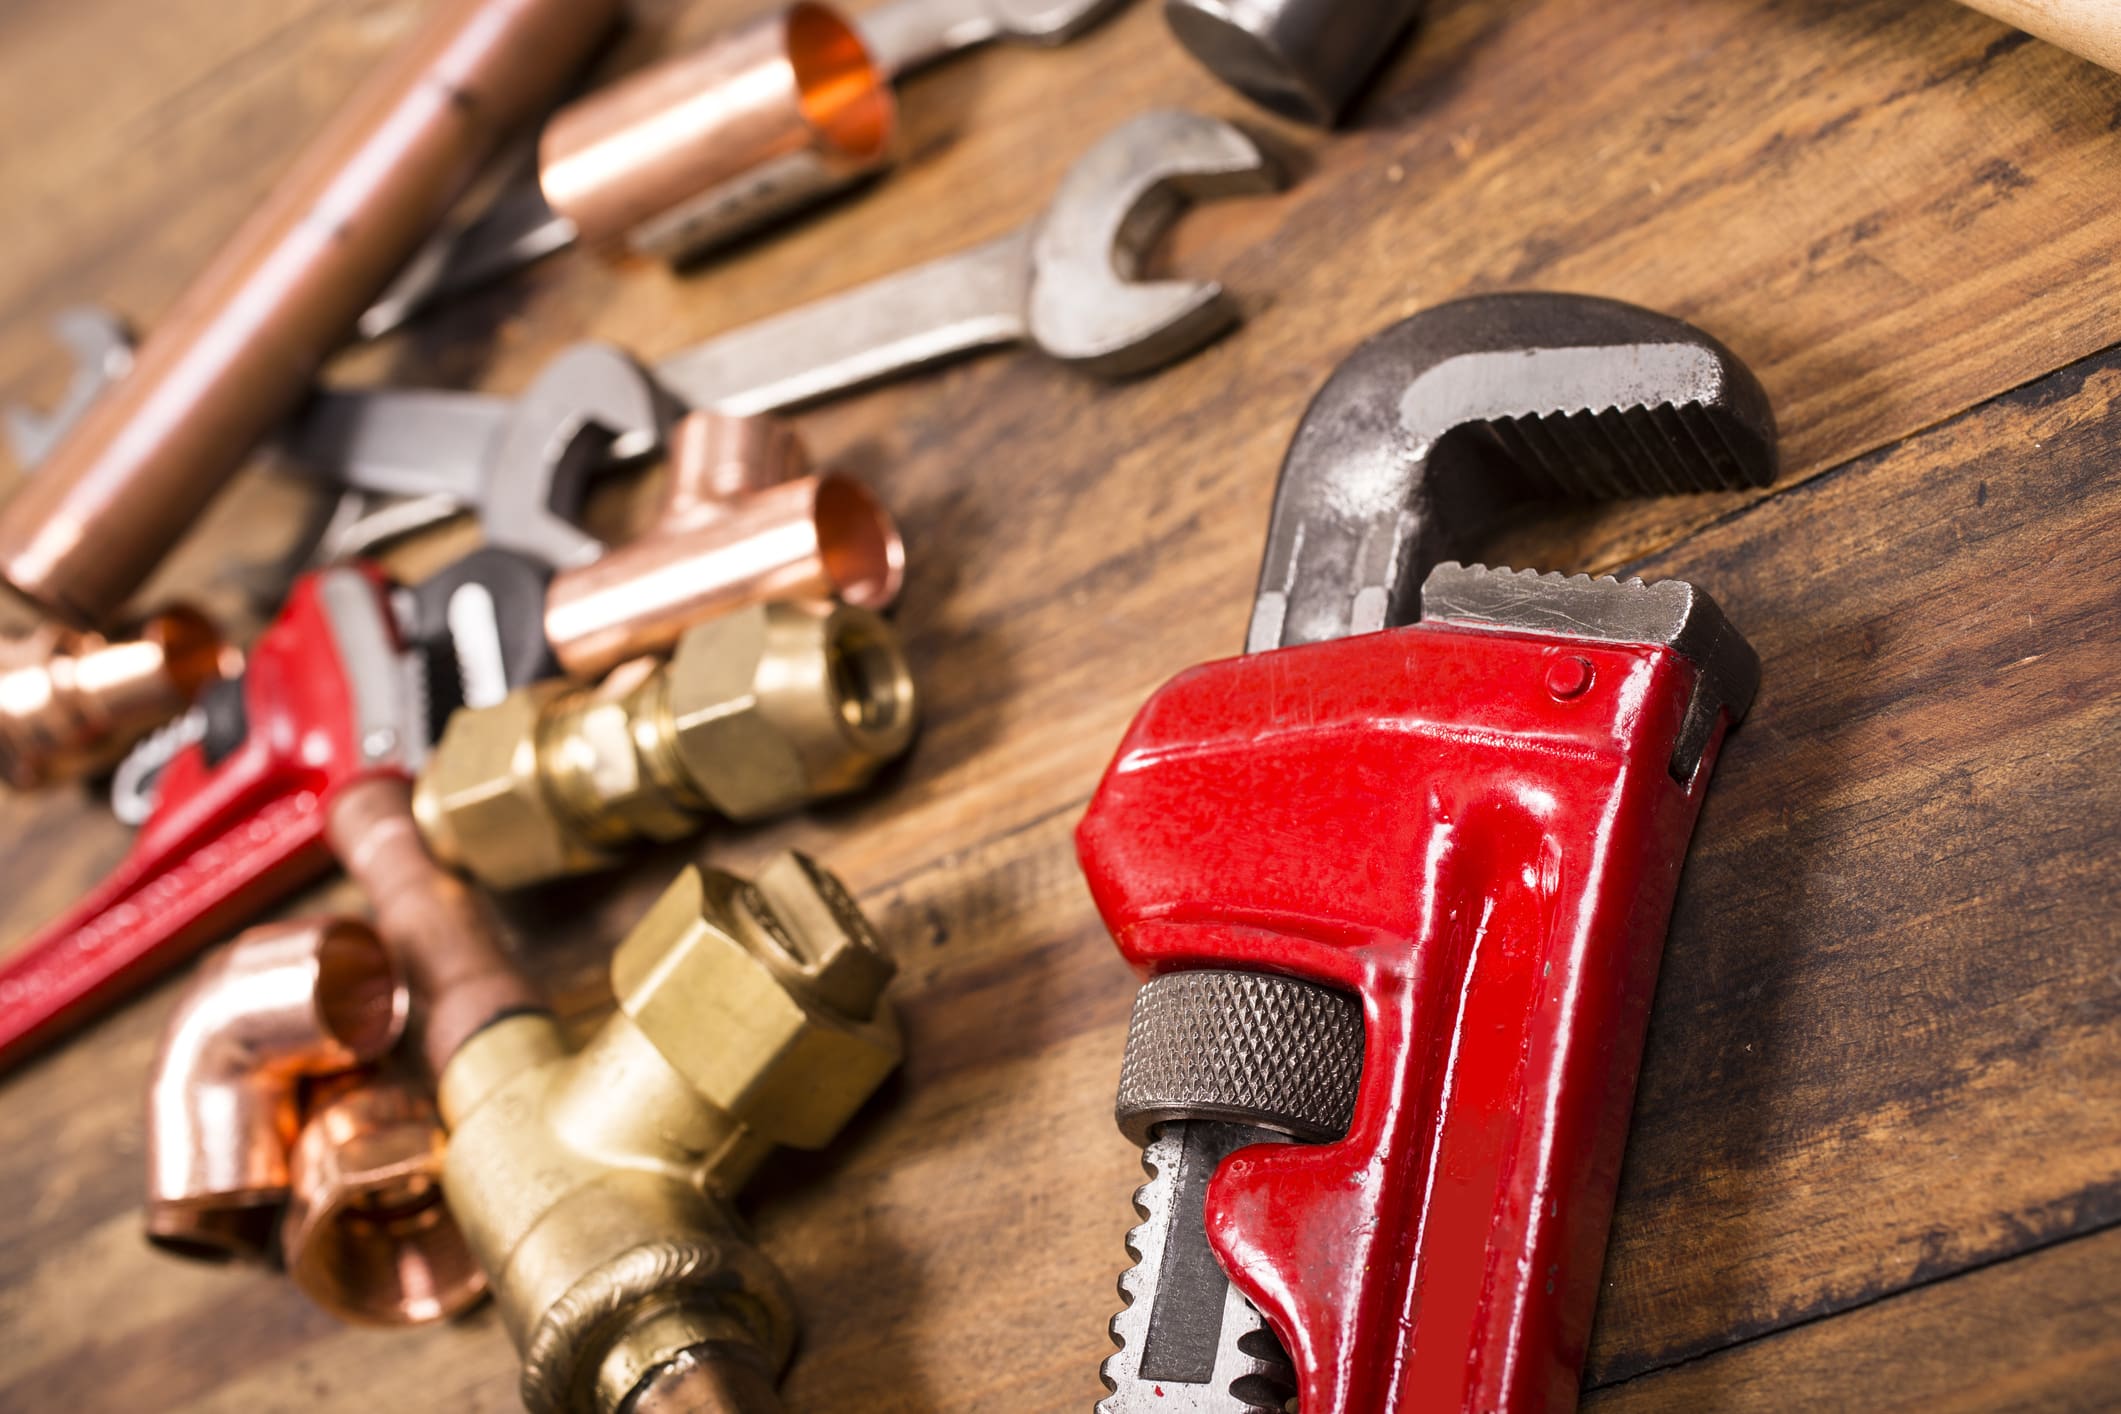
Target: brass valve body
[[755, 713], [594, 1187]]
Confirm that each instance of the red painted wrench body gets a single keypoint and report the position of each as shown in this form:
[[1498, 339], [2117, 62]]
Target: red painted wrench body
[[228, 837], [1475, 832]]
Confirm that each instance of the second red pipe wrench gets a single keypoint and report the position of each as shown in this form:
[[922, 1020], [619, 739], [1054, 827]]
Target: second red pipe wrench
[[329, 697]]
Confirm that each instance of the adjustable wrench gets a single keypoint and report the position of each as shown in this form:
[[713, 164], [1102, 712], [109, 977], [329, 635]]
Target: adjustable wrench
[[328, 697], [1399, 879], [1065, 282]]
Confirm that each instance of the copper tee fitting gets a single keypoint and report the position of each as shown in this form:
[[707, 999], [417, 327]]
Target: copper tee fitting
[[72, 702], [366, 1234], [237, 352], [594, 1186], [755, 713], [741, 522], [282, 1002], [700, 148]]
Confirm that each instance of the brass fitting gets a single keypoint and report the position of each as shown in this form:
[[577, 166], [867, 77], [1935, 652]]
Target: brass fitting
[[755, 713], [366, 1234], [71, 702], [282, 1002], [594, 1187]]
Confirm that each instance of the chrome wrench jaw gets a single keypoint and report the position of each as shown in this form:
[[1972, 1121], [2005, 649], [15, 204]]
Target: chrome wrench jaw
[[1186, 1341]]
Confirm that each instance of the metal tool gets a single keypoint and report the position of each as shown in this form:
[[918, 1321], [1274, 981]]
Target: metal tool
[[1400, 877], [1303, 59], [101, 346], [702, 147], [238, 351], [328, 697]]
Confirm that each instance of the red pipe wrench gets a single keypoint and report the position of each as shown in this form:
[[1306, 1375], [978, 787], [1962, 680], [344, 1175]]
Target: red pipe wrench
[[329, 696], [1399, 880]]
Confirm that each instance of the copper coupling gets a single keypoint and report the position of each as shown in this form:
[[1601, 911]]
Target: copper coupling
[[743, 519], [264, 1121], [71, 702], [698, 149]]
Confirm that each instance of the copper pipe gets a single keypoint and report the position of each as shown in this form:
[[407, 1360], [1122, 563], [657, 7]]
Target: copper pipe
[[237, 352], [367, 1235], [702, 147], [729, 533], [281, 1002], [444, 934], [71, 702]]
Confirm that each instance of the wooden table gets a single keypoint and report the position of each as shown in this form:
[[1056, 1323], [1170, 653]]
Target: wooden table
[[1876, 1159]]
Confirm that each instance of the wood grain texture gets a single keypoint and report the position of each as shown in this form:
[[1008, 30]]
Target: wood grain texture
[[1884, 1052]]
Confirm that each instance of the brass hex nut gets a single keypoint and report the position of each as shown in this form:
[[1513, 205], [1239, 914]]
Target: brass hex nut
[[777, 704], [766, 997], [481, 800]]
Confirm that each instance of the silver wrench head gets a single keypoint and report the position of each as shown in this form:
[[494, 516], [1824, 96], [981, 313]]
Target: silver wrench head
[[1048, 21], [1086, 305], [560, 431], [101, 344]]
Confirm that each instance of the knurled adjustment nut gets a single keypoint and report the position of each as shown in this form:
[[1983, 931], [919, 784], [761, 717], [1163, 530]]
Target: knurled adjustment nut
[[765, 996]]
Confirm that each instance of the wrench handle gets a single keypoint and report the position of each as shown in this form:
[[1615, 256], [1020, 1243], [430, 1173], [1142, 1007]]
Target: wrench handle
[[971, 300]]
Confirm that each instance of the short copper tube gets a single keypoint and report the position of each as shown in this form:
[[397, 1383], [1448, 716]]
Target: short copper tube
[[367, 1235], [282, 1002], [446, 936], [741, 523], [238, 350], [701, 148], [70, 702]]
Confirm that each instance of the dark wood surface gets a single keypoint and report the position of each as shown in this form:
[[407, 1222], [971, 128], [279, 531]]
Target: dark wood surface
[[1876, 1159]]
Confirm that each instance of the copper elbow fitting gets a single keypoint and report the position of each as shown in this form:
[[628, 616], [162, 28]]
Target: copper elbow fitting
[[282, 1002], [741, 522], [71, 702], [367, 1235], [240, 347], [700, 148]]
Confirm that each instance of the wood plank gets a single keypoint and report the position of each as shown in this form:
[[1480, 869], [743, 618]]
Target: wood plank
[[1894, 210], [1936, 1349]]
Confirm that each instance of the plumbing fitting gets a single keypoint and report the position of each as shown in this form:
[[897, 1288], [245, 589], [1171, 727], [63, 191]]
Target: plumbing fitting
[[705, 146], [742, 521], [755, 713], [595, 1187], [367, 1235], [282, 1002], [72, 702]]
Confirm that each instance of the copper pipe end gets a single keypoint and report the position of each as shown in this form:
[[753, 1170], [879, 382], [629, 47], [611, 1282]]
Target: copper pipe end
[[446, 935], [734, 529], [703, 147], [367, 1235], [281, 1002], [71, 702]]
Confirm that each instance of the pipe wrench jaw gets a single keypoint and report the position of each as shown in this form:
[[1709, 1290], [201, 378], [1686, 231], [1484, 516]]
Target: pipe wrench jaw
[[327, 697], [1464, 837]]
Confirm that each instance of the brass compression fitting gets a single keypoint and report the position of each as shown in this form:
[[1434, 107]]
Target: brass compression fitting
[[754, 714]]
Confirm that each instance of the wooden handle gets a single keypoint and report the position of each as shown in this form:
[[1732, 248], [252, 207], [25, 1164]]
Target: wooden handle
[[2090, 29]]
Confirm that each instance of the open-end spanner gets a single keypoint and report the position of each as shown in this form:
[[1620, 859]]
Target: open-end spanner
[[1066, 282], [520, 226], [100, 345], [1399, 879]]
